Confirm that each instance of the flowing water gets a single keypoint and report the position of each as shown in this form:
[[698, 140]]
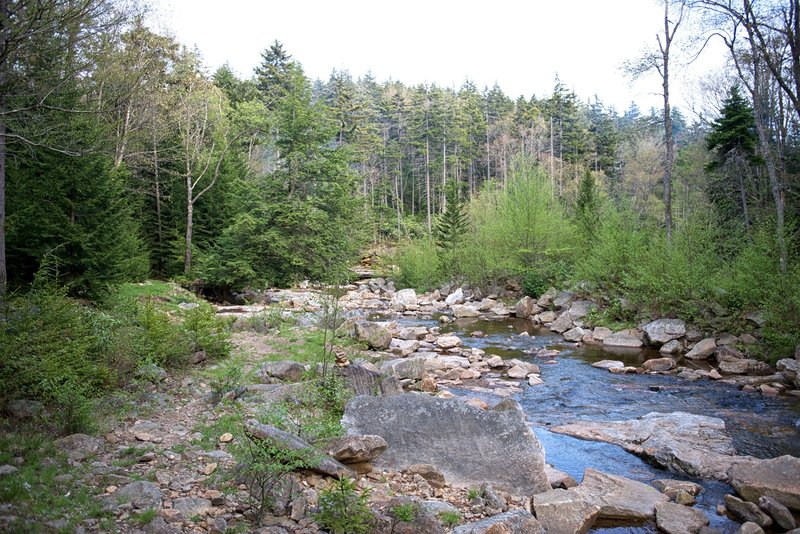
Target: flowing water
[[573, 390]]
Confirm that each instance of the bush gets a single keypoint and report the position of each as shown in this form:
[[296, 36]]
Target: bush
[[419, 266], [343, 509]]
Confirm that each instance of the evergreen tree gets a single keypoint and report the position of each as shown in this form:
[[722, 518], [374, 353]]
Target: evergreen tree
[[587, 208], [274, 75], [452, 224]]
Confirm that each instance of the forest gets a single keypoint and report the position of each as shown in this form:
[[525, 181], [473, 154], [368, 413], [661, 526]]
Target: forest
[[122, 158]]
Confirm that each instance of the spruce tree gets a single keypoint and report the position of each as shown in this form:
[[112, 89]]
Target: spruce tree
[[452, 224]]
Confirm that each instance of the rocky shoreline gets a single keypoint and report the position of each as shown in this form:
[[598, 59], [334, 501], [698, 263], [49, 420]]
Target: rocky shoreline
[[411, 441]]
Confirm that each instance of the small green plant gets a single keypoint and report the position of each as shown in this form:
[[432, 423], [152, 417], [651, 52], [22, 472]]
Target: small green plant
[[204, 331], [225, 377], [143, 518], [405, 513], [473, 494], [450, 518], [343, 509]]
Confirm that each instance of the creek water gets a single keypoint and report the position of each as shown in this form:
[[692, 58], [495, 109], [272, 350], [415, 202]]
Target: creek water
[[573, 390]]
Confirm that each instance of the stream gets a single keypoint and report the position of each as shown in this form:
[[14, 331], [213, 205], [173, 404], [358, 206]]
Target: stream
[[573, 390]]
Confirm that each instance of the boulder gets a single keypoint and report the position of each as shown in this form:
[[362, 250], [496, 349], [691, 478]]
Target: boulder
[[190, 507], [622, 339], [547, 316], [778, 478], [373, 334], [141, 494], [363, 381], [563, 299], [727, 339], [778, 512], [693, 445], [747, 511], [671, 487], [403, 298], [563, 511], [574, 334], [24, 409], [750, 528], [609, 364], [526, 307], [757, 318], [546, 299], [404, 368], [513, 522], [739, 366], [447, 433], [563, 323], [429, 472], [581, 308], [663, 331], [659, 364], [465, 310], [448, 342], [412, 333], [323, 464], [558, 478], [790, 368], [456, 297], [284, 370], [355, 449], [403, 347], [679, 519], [703, 349], [78, 447], [600, 333], [671, 347]]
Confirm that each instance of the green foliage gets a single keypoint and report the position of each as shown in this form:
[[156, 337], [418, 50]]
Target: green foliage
[[206, 332], [473, 494], [587, 208], [343, 509], [418, 268], [450, 518], [405, 513]]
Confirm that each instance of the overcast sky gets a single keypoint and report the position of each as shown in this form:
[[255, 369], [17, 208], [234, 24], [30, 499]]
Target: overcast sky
[[519, 44]]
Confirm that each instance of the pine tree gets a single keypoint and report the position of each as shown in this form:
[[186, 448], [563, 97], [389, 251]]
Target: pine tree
[[452, 224]]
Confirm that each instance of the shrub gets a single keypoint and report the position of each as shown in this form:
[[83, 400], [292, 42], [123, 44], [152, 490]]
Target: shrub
[[418, 264], [343, 509]]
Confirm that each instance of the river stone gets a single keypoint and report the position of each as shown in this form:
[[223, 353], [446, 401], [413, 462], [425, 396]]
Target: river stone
[[526, 307], [192, 506], [465, 310], [659, 364], [546, 298], [412, 333], [456, 297], [609, 364], [78, 447], [671, 347], [283, 370], [600, 333], [276, 437], [563, 323], [141, 494], [581, 308], [693, 445], [355, 449], [373, 334], [790, 368], [619, 497], [622, 339], [546, 317], [563, 299], [448, 342], [403, 347], [574, 334], [565, 512], [750, 528], [420, 428], [363, 381], [778, 478], [703, 349], [403, 298], [679, 519], [663, 331], [738, 366], [671, 487], [778, 512], [403, 368], [747, 511], [517, 372], [513, 522], [558, 478]]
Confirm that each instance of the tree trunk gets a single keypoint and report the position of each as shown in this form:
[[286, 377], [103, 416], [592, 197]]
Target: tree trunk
[[3, 269], [187, 255], [670, 148], [428, 181], [443, 201]]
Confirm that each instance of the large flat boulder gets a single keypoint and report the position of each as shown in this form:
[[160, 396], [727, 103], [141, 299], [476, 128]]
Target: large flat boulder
[[373, 334], [563, 511], [778, 478], [470, 446], [663, 331], [694, 445], [623, 340], [675, 518], [513, 522]]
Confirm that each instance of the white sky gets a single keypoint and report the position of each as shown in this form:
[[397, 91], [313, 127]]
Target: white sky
[[520, 44]]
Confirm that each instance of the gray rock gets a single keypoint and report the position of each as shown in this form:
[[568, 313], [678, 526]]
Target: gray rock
[[558, 478], [284, 370], [747, 511], [448, 342], [402, 368], [679, 519], [563, 299], [777, 512], [78, 447], [404, 297], [492, 498], [663, 331], [565, 512], [513, 522], [24, 408], [758, 318], [727, 339], [671, 487], [609, 364], [671, 347], [429, 472], [355, 449], [192, 506], [790, 368], [325, 464], [750, 528], [403, 347], [364, 381], [693, 445], [622, 339], [424, 429], [456, 297], [526, 307], [740, 366], [7, 469], [141, 494], [563, 323], [575, 334], [659, 364], [703, 349], [546, 317], [581, 308], [465, 310], [373, 334], [546, 299], [778, 478]]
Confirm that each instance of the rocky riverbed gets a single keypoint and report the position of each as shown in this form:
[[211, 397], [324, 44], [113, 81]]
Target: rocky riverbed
[[459, 390]]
